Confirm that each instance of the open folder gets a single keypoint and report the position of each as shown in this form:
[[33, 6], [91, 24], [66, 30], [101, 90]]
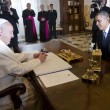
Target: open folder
[[52, 64], [57, 78]]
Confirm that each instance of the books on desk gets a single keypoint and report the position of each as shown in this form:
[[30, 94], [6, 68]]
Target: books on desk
[[57, 78], [54, 71], [53, 63]]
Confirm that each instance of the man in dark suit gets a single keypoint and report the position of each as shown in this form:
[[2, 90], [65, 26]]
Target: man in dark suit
[[101, 6], [11, 15], [52, 16], [103, 36], [43, 27]]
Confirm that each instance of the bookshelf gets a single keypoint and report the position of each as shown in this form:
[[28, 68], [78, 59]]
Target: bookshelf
[[72, 15]]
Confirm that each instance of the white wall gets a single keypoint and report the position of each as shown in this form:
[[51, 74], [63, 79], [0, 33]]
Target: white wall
[[108, 3]]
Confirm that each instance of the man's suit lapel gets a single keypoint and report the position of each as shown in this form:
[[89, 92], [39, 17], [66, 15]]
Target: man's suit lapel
[[108, 35], [108, 41]]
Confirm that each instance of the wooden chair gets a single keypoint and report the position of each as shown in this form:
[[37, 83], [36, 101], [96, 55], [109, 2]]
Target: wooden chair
[[14, 91]]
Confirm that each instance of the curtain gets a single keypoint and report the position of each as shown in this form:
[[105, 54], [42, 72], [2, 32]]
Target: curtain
[[108, 3], [20, 5]]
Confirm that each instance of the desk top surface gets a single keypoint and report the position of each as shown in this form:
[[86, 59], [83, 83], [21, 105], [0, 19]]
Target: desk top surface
[[77, 95]]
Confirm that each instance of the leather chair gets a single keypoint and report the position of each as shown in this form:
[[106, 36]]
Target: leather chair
[[14, 91]]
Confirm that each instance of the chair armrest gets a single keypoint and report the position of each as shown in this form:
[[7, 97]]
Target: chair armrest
[[14, 91]]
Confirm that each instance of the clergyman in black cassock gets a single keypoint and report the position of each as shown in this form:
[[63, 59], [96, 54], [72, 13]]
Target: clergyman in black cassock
[[44, 29], [29, 24]]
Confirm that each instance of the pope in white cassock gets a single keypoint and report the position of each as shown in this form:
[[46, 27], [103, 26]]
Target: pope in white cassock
[[14, 65]]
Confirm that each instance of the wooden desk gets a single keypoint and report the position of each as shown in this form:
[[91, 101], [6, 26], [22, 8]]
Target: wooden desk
[[76, 95]]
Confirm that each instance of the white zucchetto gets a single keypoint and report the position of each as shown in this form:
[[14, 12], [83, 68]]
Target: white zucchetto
[[2, 21]]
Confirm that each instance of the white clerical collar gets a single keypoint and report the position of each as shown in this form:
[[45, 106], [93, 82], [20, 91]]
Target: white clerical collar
[[4, 48]]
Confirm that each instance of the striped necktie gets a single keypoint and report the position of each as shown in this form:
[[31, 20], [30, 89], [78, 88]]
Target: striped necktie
[[104, 39], [104, 34]]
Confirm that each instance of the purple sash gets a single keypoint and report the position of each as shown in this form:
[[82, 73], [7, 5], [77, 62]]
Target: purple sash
[[33, 24], [46, 30]]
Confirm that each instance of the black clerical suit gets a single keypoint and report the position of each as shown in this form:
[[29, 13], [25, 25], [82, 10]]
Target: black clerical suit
[[104, 46], [44, 31], [105, 8], [13, 19], [52, 16], [30, 29]]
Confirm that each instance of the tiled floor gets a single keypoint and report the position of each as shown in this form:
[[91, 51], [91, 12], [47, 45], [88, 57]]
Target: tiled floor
[[80, 41]]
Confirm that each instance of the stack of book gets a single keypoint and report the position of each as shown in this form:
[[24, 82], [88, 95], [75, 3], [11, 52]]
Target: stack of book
[[54, 71]]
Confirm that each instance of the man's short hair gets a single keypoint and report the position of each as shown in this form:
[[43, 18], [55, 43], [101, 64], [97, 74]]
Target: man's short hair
[[28, 3], [51, 4], [103, 13]]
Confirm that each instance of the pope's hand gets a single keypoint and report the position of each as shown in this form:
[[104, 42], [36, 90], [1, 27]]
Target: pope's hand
[[42, 57]]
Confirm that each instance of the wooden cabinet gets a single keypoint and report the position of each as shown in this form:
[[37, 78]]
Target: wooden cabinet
[[72, 15]]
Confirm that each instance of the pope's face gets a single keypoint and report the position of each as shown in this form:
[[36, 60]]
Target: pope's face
[[7, 33]]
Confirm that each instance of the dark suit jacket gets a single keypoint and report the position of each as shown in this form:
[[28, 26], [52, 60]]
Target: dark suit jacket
[[52, 16], [105, 8], [99, 39], [13, 19]]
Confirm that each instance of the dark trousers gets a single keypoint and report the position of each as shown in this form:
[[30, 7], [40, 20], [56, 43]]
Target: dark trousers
[[52, 27], [14, 43]]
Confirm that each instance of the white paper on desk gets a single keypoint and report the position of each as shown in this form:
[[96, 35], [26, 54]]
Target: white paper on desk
[[57, 78], [53, 63]]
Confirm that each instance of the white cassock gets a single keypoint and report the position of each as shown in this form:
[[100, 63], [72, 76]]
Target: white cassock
[[12, 70]]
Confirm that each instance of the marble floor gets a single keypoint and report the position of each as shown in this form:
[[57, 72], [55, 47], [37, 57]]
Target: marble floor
[[78, 40]]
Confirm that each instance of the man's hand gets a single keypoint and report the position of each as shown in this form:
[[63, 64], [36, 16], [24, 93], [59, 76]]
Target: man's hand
[[42, 19]]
